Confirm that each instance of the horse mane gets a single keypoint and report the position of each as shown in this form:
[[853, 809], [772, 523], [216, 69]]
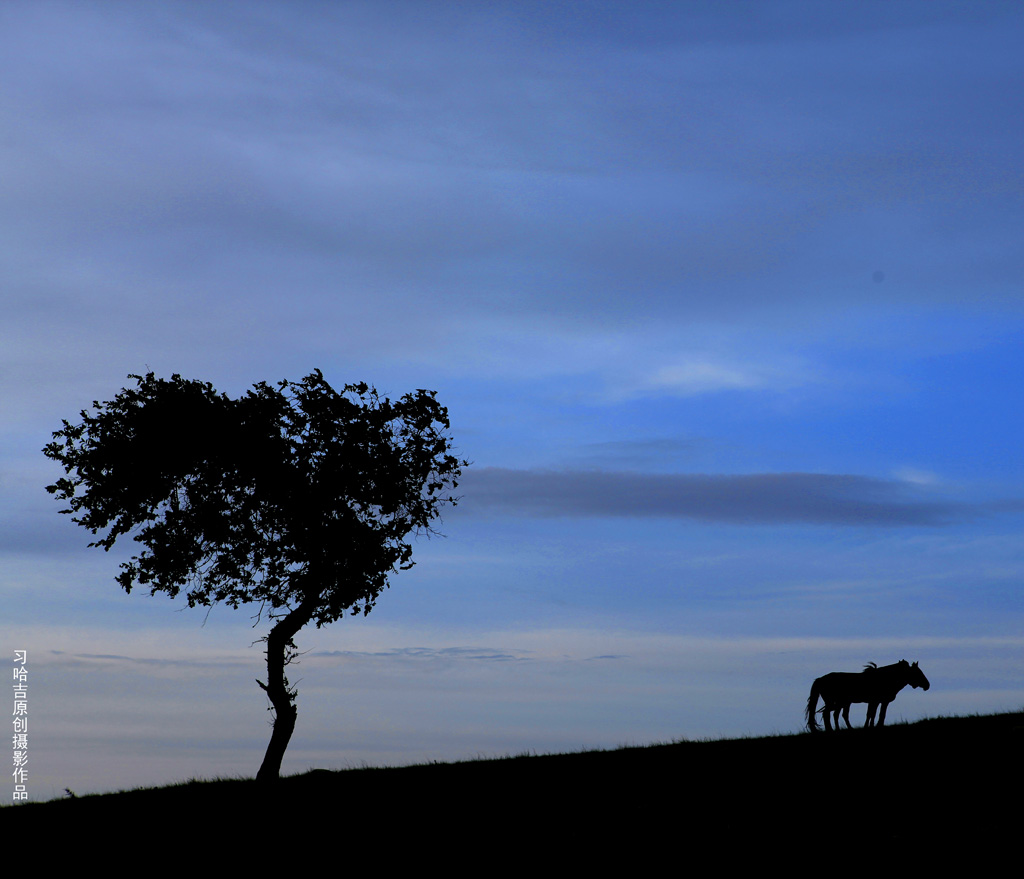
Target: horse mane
[[871, 666]]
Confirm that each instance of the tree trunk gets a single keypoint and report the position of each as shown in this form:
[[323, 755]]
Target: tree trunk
[[284, 725], [281, 696]]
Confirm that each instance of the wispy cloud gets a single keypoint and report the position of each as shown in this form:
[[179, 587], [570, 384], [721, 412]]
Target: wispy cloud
[[703, 374], [474, 654], [915, 476], [764, 498]]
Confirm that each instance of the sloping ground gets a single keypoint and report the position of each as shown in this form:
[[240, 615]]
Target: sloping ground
[[918, 790]]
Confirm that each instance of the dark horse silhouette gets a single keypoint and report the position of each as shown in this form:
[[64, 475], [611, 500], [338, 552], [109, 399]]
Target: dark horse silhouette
[[876, 686]]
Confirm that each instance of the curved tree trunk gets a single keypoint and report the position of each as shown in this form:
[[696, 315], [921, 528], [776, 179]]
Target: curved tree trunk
[[282, 697]]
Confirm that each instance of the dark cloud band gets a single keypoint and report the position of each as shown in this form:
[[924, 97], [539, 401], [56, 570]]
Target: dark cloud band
[[812, 498]]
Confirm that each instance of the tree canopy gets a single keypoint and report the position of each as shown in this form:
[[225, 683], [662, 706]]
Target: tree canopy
[[294, 497]]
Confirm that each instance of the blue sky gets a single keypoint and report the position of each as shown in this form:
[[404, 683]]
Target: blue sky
[[724, 300]]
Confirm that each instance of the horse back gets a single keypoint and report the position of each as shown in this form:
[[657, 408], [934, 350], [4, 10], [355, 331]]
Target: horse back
[[844, 686]]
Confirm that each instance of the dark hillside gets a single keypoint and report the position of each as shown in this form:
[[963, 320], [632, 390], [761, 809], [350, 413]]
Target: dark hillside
[[921, 788]]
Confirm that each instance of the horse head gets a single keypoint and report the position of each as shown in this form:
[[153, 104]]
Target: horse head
[[917, 678]]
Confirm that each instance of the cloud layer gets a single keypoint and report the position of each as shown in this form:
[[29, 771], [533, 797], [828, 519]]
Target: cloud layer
[[767, 498]]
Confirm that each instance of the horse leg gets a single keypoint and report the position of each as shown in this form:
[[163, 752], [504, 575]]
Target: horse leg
[[846, 716], [825, 716], [869, 718], [881, 716]]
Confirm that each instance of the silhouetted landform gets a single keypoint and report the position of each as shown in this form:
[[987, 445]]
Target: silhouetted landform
[[875, 686], [917, 791]]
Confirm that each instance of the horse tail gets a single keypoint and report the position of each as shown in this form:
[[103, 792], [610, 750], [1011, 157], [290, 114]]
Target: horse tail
[[812, 704]]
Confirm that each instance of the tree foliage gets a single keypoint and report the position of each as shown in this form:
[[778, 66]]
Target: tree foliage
[[295, 497]]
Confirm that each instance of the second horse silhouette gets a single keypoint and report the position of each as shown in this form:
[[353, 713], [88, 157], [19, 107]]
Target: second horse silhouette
[[876, 686]]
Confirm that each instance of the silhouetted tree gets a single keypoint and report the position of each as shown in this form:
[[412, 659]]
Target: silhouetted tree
[[295, 497]]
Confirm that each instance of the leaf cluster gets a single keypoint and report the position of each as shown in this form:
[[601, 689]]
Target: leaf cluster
[[293, 494]]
